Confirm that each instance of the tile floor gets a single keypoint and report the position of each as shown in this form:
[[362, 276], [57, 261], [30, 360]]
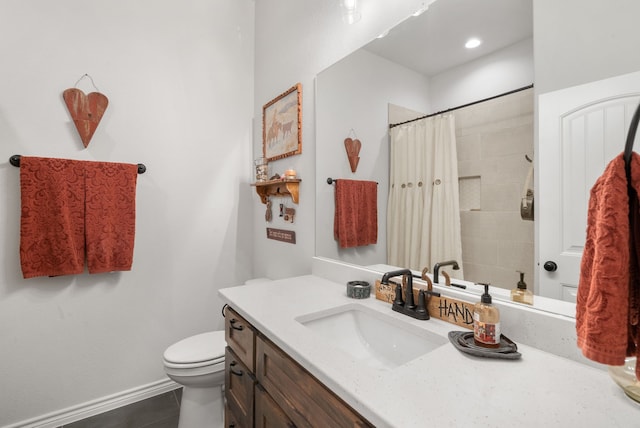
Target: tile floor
[[161, 411]]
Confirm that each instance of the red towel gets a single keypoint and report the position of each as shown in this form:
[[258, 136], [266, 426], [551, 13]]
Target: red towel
[[76, 210], [110, 218], [607, 306], [356, 217], [52, 218]]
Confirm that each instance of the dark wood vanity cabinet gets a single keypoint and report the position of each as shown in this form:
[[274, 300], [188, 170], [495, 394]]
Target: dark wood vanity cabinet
[[264, 387], [240, 337], [267, 412], [239, 380], [239, 383]]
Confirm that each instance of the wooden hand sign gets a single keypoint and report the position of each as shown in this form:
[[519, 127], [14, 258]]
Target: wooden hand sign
[[353, 150], [86, 111]]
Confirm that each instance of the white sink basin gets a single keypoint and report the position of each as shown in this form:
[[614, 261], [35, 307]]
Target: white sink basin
[[378, 340]]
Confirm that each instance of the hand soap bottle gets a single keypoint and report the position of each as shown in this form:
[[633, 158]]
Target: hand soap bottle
[[486, 322], [521, 294]]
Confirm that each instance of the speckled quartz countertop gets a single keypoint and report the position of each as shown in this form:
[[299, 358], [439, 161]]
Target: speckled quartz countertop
[[441, 388]]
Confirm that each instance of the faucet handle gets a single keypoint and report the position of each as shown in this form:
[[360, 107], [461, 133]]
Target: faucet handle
[[422, 310], [398, 300], [447, 278], [426, 279]]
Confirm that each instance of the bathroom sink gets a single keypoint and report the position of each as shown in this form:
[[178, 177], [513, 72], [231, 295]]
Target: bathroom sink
[[374, 338]]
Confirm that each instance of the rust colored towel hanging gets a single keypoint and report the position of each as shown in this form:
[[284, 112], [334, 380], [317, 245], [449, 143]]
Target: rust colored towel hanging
[[356, 217], [86, 111], [608, 306], [74, 211]]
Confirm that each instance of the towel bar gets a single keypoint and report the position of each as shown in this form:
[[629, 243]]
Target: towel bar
[[15, 161], [333, 180]]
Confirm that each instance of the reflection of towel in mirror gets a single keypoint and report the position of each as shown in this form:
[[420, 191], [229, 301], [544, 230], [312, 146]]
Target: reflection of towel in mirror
[[72, 210], [356, 218], [607, 309]]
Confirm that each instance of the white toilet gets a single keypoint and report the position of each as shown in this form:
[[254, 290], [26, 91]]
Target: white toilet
[[197, 363]]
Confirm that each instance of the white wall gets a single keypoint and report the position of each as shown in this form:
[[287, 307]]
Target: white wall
[[179, 78], [499, 72], [354, 94], [295, 40], [578, 41]]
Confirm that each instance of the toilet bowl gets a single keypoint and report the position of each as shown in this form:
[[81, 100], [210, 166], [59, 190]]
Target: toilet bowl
[[197, 363]]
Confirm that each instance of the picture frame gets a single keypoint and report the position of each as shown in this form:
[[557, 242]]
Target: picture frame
[[282, 125]]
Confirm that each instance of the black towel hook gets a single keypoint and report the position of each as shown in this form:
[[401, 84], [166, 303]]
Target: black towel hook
[[631, 136]]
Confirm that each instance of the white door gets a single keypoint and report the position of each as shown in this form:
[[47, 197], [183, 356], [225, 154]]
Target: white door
[[580, 129]]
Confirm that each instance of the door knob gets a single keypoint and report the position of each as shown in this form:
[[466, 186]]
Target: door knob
[[550, 266]]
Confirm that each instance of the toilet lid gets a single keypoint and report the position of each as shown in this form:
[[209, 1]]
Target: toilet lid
[[196, 349]]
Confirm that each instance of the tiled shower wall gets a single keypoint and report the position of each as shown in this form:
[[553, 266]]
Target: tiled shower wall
[[493, 138]]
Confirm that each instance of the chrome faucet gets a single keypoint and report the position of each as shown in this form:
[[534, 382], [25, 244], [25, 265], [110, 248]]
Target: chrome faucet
[[418, 311], [437, 266]]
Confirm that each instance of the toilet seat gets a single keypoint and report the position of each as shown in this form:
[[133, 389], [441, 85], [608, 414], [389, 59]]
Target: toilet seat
[[201, 350]]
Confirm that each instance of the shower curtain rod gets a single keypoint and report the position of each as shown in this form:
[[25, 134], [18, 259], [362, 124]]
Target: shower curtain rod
[[462, 106]]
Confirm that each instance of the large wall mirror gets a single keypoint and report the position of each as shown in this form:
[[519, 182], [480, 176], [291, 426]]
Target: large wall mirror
[[420, 67]]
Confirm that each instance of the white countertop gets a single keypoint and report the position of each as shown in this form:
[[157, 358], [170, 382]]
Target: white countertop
[[441, 388]]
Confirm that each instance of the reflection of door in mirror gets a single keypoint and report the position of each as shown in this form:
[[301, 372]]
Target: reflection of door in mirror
[[581, 130]]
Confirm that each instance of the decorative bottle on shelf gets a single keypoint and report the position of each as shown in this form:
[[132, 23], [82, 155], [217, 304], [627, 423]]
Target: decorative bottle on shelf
[[486, 322], [521, 294]]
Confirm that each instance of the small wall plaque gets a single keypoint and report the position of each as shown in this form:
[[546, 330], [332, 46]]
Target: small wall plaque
[[447, 309], [288, 236]]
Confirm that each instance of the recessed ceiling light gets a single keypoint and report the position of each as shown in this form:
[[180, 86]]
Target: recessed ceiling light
[[472, 43]]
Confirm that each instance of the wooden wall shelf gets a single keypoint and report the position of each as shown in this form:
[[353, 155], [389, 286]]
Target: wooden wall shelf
[[278, 188]]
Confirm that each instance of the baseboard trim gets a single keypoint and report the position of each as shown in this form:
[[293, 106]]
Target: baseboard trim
[[101, 405]]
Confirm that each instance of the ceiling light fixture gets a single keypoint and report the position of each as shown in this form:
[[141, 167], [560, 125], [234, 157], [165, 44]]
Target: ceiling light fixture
[[350, 13], [472, 43]]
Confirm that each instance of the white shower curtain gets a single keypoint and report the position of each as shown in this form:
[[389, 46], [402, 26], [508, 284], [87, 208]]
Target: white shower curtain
[[423, 212]]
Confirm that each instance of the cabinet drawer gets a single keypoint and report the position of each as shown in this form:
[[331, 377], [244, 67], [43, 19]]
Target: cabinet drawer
[[239, 383], [230, 419], [240, 336], [268, 414], [302, 397]]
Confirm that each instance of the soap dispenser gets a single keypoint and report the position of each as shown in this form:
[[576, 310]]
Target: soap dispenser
[[521, 294], [486, 322]]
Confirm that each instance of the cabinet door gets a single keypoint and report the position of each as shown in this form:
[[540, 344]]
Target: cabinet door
[[240, 336], [268, 414], [302, 397], [239, 384]]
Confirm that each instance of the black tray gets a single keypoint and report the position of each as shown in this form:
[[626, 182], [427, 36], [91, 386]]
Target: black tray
[[463, 341]]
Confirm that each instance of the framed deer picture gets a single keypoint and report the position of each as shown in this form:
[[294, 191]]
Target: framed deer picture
[[282, 125]]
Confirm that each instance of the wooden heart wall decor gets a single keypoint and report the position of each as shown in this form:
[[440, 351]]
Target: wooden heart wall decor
[[353, 150], [86, 111]]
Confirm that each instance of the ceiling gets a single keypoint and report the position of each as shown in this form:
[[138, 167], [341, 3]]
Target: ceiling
[[434, 41]]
